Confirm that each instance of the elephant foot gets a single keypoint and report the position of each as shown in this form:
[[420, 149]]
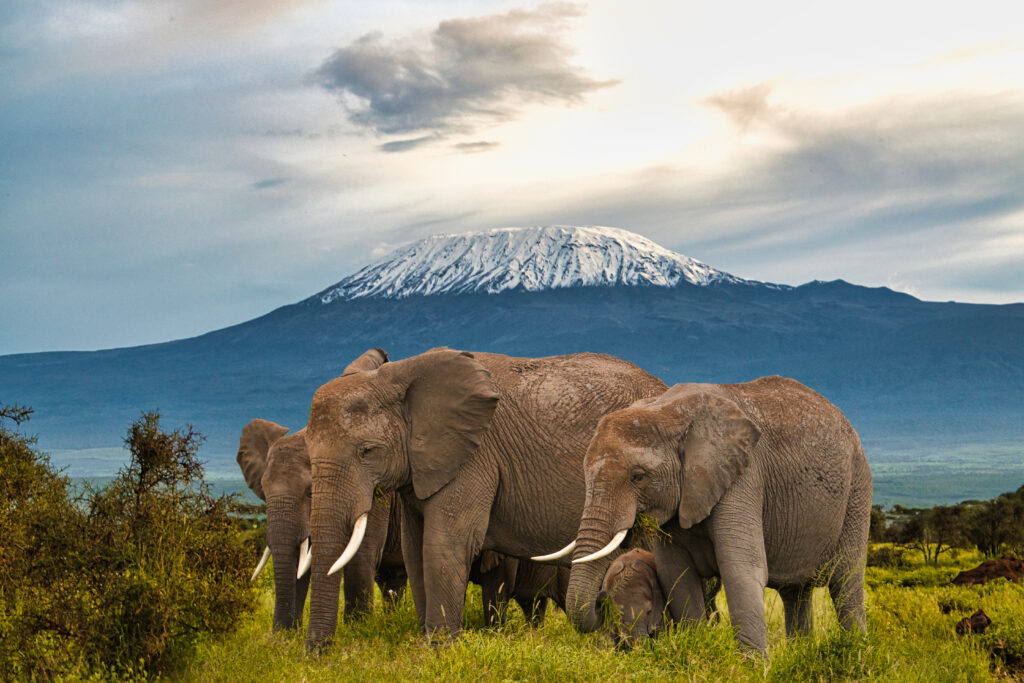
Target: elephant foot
[[316, 648]]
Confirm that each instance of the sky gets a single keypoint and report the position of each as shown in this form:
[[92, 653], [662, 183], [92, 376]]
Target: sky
[[170, 167]]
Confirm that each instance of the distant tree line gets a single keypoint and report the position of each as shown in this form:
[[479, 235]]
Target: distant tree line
[[994, 527], [116, 582]]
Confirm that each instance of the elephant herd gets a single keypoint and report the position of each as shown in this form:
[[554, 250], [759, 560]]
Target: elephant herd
[[527, 475]]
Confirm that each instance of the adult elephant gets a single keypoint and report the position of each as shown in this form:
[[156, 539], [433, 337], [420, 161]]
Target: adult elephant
[[276, 467], [762, 484], [486, 451]]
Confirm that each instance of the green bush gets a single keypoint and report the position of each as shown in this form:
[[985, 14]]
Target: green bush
[[122, 581]]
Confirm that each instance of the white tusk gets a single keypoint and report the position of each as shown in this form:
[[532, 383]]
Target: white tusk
[[555, 555], [305, 557], [353, 544], [608, 549], [262, 564]]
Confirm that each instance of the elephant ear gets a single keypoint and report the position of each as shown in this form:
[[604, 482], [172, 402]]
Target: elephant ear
[[370, 360], [450, 400], [255, 442], [714, 449]]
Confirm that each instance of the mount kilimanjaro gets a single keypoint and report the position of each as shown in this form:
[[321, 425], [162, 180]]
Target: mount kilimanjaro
[[921, 374]]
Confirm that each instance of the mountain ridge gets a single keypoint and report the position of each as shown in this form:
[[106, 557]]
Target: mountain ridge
[[527, 259]]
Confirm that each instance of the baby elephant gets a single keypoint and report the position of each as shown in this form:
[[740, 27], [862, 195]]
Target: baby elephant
[[631, 584]]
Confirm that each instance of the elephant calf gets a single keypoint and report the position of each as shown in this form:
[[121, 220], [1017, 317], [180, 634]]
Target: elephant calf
[[631, 585]]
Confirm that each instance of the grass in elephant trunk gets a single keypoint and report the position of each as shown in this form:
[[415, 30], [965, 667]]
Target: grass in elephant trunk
[[646, 531], [910, 639]]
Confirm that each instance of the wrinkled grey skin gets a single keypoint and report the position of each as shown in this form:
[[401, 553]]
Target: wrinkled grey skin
[[277, 469], [631, 584], [486, 451], [530, 584], [762, 484]]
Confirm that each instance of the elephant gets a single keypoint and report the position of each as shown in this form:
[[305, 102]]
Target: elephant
[[631, 585], [276, 468], [485, 450], [529, 583], [763, 483]]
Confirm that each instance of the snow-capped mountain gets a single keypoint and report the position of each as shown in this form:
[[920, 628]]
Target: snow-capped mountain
[[526, 259]]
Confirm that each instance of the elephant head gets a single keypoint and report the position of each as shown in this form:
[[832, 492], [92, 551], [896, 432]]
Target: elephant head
[[670, 456], [410, 423], [276, 468], [631, 585]]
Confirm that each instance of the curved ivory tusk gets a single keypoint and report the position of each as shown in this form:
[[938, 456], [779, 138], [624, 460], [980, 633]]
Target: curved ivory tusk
[[353, 544], [262, 564], [612, 545], [305, 557], [555, 555]]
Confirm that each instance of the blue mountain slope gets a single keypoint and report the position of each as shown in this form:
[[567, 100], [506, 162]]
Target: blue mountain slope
[[905, 371]]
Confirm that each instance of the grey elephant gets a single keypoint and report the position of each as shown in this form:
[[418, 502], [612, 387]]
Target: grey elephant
[[631, 586], [277, 469], [763, 484], [486, 451], [530, 584]]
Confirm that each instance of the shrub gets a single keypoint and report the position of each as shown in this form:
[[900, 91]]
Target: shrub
[[125, 580]]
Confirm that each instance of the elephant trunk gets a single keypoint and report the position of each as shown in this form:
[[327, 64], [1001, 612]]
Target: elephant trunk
[[337, 503], [597, 528], [283, 532]]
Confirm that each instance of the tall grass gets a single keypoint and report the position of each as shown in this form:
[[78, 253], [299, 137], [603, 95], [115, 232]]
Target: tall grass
[[911, 638]]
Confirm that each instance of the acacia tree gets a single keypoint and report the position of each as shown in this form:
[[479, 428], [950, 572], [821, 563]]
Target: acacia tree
[[932, 531]]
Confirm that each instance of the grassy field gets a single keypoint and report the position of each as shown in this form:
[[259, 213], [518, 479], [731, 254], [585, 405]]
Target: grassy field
[[912, 613]]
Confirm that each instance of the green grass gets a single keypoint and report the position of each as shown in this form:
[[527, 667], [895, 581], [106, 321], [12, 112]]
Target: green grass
[[910, 639]]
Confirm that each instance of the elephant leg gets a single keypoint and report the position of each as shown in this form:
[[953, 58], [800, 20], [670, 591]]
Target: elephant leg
[[301, 589], [744, 576], [495, 587], [412, 552], [534, 608], [846, 584], [391, 581], [454, 527], [682, 587], [798, 604], [846, 587]]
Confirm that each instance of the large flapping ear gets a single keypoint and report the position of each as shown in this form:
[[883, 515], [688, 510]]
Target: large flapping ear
[[450, 400], [714, 449], [256, 439], [370, 360]]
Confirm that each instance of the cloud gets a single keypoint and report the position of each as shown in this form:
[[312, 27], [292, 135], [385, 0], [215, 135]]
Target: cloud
[[928, 187], [407, 144], [743, 106], [476, 147], [268, 183], [475, 71]]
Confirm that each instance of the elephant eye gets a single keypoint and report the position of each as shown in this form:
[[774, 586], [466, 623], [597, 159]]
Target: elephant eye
[[637, 476]]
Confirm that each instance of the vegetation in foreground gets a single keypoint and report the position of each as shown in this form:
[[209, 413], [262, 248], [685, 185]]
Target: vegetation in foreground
[[117, 582], [912, 616]]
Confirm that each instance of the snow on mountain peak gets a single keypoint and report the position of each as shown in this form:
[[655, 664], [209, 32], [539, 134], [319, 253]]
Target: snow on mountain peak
[[529, 259]]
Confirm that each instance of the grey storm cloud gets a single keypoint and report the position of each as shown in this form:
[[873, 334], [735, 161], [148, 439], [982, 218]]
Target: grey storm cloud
[[472, 70]]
